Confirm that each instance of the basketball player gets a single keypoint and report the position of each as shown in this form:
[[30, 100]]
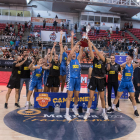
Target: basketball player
[[53, 79], [46, 72], [113, 70], [97, 79], [88, 81], [14, 81], [74, 80], [63, 64], [77, 47], [36, 80], [126, 83]]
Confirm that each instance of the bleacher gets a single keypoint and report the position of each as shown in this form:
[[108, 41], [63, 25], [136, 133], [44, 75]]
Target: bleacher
[[135, 32]]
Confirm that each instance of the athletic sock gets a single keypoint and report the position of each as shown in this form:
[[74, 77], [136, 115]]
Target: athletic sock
[[88, 109], [135, 107], [113, 106], [27, 103], [67, 111], [75, 107], [103, 110]]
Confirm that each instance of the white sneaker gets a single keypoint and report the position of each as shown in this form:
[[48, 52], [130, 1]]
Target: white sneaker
[[109, 108], [68, 117], [27, 107], [118, 109], [86, 116], [75, 112], [105, 116]]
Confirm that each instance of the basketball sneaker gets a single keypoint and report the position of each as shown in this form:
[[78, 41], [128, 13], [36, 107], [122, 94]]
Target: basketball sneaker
[[86, 116], [110, 111], [118, 109], [136, 113], [17, 105], [75, 112], [27, 107], [105, 116], [109, 108], [68, 117], [6, 105]]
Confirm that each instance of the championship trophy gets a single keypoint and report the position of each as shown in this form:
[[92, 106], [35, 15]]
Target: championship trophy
[[84, 40]]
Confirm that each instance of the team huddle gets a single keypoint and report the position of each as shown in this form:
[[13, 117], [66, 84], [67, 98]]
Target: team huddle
[[56, 68]]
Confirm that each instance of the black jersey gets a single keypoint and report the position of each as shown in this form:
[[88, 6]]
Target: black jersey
[[16, 73], [54, 69], [25, 71], [113, 72], [98, 67]]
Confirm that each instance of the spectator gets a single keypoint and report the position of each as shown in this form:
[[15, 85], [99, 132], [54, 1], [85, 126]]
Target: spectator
[[10, 58], [44, 23], [88, 27], [63, 25], [138, 52], [122, 52], [18, 15], [38, 15], [97, 30], [64, 39], [117, 29], [11, 24], [21, 14], [55, 24], [40, 44], [85, 27], [26, 26], [125, 25], [111, 30], [30, 44], [11, 42], [135, 52], [1, 53], [133, 42], [113, 48], [131, 25], [17, 44], [131, 52], [128, 25], [21, 33], [75, 27], [16, 30], [129, 47]]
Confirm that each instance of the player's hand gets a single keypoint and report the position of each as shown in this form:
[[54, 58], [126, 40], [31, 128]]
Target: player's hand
[[26, 58], [72, 33], [60, 43], [89, 43], [55, 43], [49, 51], [78, 43], [61, 32]]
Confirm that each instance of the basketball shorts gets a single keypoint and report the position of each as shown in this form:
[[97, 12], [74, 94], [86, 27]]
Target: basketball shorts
[[126, 85], [96, 83], [53, 81], [74, 84], [88, 81], [13, 84], [35, 84], [62, 70]]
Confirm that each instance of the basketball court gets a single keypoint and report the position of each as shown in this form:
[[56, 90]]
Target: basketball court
[[18, 124]]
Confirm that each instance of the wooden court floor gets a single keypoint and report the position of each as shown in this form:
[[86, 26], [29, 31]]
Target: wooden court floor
[[8, 134]]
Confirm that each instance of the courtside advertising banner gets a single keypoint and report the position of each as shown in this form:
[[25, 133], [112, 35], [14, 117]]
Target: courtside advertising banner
[[44, 100], [51, 36]]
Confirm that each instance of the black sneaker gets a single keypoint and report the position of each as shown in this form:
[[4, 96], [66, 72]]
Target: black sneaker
[[6, 105], [17, 105], [110, 111], [136, 113]]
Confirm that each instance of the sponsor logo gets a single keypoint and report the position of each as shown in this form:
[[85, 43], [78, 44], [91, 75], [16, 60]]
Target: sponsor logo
[[53, 36], [29, 112], [43, 99]]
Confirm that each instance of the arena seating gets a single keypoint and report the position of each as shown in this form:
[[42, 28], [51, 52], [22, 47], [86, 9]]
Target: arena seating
[[136, 32]]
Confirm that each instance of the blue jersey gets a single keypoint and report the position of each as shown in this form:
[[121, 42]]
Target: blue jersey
[[127, 73], [37, 74], [64, 59], [77, 55], [74, 69]]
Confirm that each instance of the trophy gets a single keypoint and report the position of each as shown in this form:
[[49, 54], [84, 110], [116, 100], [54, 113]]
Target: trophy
[[84, 40], [57, 107]]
